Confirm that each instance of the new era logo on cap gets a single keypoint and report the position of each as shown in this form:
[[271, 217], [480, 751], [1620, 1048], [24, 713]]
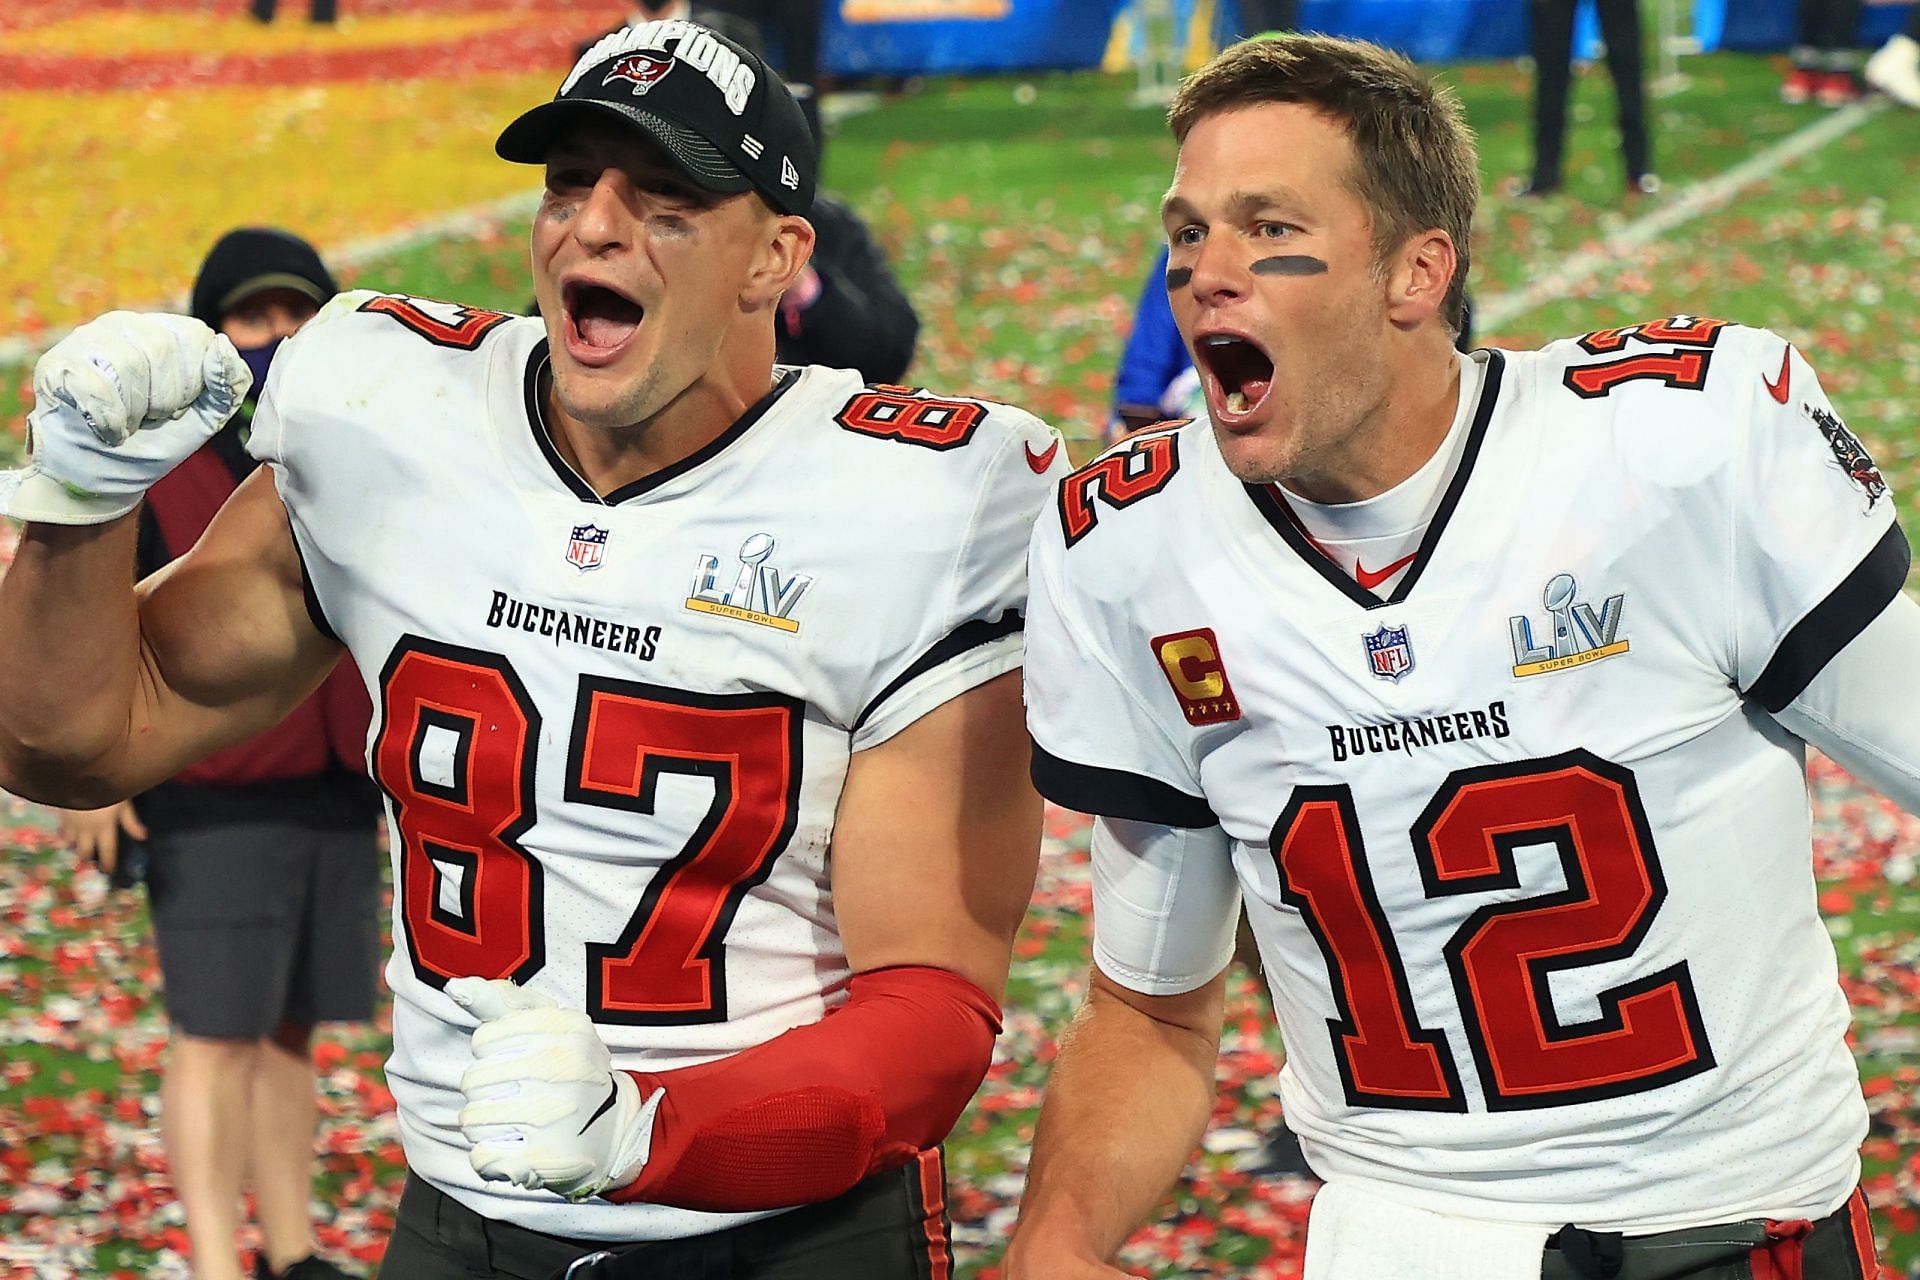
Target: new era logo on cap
[[713, 107]]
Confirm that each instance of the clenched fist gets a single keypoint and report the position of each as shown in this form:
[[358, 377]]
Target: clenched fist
[[545, 1107], [118, 403]]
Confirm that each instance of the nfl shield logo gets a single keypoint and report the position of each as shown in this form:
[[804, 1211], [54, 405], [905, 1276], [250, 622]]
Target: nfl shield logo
[[1389, 654], [586, 547]]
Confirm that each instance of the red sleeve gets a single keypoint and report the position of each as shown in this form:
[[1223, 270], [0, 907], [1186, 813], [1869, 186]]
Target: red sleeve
[[807, 1115]]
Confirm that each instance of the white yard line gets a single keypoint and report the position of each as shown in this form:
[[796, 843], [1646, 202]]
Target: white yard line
[[470, 221], [1491, 315]]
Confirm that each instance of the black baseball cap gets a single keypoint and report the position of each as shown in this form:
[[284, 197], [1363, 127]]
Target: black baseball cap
[[252, 260], [728, 123]]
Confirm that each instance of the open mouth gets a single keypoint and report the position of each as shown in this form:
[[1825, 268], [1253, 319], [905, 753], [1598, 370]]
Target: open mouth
[[1242, 372], [599, 317]]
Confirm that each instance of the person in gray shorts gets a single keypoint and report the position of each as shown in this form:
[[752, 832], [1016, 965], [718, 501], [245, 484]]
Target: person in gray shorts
[[263, 865]]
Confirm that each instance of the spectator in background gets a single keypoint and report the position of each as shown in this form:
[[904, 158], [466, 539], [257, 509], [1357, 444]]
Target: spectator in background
[[1553, 68], [1895, 68], [847, 311], [1823, 59], [1156, 380], [1267, 15], [324, 11], [265, 871]]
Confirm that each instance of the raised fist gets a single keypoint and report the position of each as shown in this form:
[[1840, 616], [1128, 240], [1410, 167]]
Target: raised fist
[[118, 403]]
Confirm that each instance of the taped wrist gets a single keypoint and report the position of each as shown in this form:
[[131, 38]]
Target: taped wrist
[[810, 1113]]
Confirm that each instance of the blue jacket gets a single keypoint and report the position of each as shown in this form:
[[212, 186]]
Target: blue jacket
[[1154, 356]]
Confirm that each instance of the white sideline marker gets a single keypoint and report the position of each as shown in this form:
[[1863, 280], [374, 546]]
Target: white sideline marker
[[1497, 312]]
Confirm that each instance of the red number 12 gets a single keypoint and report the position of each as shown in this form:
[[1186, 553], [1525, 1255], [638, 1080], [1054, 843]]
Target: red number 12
[[1649, 1032]]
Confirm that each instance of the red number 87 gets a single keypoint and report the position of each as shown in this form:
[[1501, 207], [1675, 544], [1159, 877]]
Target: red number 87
[[456, 752]]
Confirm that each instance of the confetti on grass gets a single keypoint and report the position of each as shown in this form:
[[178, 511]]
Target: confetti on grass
[[1025, 288], [83, 1178]]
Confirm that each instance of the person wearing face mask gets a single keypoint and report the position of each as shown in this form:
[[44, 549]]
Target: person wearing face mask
[[262, 863]]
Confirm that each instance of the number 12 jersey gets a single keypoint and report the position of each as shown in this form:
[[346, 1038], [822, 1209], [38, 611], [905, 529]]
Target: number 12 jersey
[[1526, 854]]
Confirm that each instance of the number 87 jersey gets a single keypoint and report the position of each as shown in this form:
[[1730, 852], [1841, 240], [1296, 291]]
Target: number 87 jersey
[[613, 732], [1526, 854]]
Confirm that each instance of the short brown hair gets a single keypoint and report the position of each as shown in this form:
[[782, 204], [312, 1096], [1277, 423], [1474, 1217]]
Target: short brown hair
[[1418, 165]]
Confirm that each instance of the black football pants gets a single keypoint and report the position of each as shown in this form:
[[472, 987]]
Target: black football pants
[[893, 1226], [1838, 1247]]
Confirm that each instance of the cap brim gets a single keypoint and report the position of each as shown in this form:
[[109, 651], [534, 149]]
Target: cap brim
[[528, 138], [270, 280]]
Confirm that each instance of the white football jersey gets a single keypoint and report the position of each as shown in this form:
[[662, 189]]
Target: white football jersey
[[613, 735], [1527, 858]]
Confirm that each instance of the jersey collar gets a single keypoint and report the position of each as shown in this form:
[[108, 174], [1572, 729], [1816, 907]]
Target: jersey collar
[[1272, 505], [538, 363]]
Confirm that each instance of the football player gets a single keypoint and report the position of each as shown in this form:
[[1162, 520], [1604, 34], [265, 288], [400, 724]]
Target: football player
[[696, 688], [1486, 680]]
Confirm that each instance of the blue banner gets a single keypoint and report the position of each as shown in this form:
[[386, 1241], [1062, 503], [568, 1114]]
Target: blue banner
[[1426, 30], [913, 37], [1774, 24]]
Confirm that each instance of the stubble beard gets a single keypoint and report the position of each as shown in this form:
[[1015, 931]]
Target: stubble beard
[[1270, 466], [624, 407], [1327, 423], [1320, 435]]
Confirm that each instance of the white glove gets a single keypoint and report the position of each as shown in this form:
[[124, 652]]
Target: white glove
[[545, 1108], [117, 404]]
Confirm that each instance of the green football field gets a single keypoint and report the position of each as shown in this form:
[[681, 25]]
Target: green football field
[[1022, 217]]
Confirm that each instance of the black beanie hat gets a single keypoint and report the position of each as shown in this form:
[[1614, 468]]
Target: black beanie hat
[[252, 259]]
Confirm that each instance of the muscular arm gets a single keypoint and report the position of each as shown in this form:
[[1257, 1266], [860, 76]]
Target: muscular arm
[[937, 841], [109, 689], [934, 852], [1126, 1105]]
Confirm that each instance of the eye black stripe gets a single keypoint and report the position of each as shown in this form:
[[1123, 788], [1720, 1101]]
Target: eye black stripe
[[1290, 264]]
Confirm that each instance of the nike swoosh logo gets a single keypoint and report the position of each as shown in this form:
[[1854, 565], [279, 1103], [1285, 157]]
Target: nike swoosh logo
[[613, 1095], [1041, 461], [1778, 390], [1369, 581]]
